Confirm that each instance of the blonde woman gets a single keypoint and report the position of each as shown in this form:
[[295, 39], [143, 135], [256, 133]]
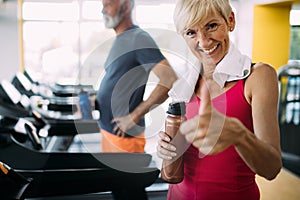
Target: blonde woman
[[231, 125]]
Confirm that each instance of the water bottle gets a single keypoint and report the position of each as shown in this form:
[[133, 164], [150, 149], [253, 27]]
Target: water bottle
[[172, 170], [85, 105]]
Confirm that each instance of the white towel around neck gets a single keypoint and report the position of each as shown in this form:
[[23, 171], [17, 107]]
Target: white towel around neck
[[234, 66]]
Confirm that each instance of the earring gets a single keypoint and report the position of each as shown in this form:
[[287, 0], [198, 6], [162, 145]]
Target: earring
[[231, 29]]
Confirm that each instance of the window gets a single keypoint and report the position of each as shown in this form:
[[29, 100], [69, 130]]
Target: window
[[295, 43], [67, 39], [57, 36], [295, 35]]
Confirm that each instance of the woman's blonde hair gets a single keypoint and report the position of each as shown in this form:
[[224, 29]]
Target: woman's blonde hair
[[188, 13]]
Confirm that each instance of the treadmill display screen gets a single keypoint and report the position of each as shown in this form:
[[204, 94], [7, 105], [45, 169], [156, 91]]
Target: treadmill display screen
[[11, 91]]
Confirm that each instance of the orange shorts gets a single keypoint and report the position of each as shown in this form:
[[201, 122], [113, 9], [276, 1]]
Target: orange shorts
[[113, 143]]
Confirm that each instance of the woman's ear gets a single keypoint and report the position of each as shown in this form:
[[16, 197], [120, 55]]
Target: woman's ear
[[231, 21]]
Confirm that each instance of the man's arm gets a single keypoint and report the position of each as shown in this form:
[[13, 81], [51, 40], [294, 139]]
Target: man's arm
[[167, 77]]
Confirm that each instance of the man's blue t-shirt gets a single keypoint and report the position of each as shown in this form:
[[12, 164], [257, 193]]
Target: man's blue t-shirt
[[132, 56]]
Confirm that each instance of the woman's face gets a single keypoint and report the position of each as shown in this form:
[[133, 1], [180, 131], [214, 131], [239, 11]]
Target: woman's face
[[209, 40]]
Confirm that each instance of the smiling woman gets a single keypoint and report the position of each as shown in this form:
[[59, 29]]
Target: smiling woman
[[232, 131]]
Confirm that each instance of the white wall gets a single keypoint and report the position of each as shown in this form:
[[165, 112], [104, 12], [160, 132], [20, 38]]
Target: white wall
[[9, 51], [244, 19], [244, 26]]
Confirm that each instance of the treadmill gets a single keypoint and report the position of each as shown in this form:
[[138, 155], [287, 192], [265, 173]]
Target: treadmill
[[289, 115], [60, 173], [57, 96], [50, 174], [61, 124]]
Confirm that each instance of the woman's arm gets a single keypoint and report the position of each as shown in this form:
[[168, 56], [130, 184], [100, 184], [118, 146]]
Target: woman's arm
[[261, 150]]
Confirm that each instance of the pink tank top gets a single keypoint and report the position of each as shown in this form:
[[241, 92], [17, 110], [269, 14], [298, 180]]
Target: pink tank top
[[225, 175]]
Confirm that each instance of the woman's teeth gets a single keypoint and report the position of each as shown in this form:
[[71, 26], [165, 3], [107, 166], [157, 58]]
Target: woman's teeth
[[210, 50]]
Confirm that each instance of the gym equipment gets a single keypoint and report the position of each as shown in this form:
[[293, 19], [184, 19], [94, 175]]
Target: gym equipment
[[289, 115], [65, 173], [15, 104], [59, 173], [18, 184]]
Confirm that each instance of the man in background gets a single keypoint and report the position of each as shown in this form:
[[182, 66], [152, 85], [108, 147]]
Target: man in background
[[133, 55]]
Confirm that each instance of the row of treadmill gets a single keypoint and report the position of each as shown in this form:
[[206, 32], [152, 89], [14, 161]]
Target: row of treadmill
[[31, 115]]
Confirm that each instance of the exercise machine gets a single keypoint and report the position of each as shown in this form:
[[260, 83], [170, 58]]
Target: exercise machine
[[289, 115], [64, 173]]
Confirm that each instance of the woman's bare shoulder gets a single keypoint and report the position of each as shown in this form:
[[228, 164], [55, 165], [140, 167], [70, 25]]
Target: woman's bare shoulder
[[262, 72], [262, 79]]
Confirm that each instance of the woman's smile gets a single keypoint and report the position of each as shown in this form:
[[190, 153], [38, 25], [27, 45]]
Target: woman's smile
[[209, 51]]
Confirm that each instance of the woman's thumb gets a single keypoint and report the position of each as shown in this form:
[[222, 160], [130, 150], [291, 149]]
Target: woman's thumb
[[205, 100]]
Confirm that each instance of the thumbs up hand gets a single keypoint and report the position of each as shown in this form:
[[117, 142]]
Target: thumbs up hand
[[209, 131]]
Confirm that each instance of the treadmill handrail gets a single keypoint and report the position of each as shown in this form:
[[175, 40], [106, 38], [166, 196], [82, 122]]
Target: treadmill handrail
[[17, 155]]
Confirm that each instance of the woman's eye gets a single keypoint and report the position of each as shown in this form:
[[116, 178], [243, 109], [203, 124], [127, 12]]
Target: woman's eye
[[212, 26], [190, 32]]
